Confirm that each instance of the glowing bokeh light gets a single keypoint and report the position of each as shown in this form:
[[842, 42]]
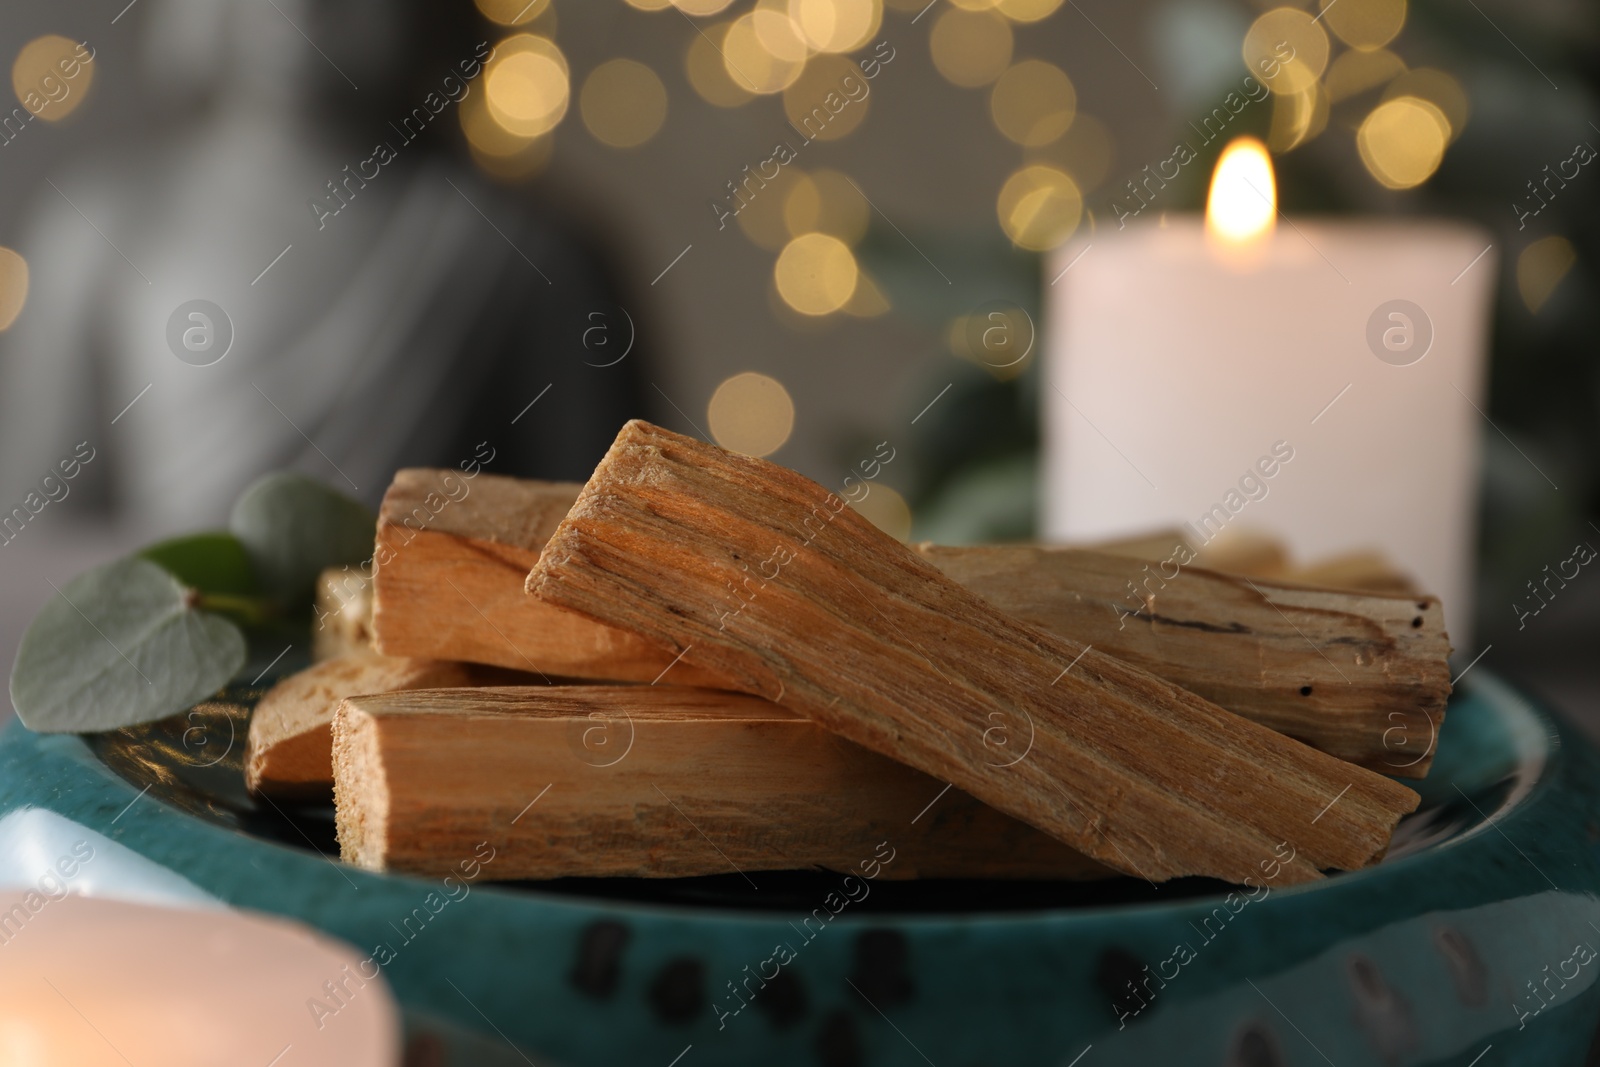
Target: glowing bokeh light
[[1402, 141], [778, 32], [1364, 24], [1027, 10], [886, 509], [826, 202], [484, 134], [760, 206], [802, 207], [1438, 89], [829, 99], [623, 103], [51, 77], [1033, 103], [816, 274], [512, 12], [1297, 118], [1001, 338], [970, 48], [751, 413], [526, 85], [13, 286], [708, 72], [1353, 73], [497, 151], [701, 8], [750, 65], [837, 25], [1540, 268], [1084, 151], [1286, 50], [1039, 207]]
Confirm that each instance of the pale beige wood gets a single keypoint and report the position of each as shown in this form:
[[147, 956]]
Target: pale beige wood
[[288, 752], [1157, 544], [450, 561], [767, 579], [1256, 554], [1368, 571], [649, 781], [341, 620], [1363, 677], [1242, 551]]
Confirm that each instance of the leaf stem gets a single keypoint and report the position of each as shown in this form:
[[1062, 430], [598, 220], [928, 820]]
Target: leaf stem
[[246, 610]]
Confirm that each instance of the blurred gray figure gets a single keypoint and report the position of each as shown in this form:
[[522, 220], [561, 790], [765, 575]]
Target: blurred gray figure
[[412, 326]]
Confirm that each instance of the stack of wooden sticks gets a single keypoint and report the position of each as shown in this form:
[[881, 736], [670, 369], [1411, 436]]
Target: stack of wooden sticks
[[701, 662]]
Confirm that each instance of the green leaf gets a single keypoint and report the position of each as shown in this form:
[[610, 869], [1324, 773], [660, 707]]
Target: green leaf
[[210, 562], [117, 646], [294, 527]]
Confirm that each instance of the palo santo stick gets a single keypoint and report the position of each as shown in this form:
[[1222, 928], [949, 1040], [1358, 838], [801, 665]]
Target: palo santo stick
[[1364, 571], [1360, 676], [343, 613], [1157, 544], [1377, 683], [1245, 551], [288, 751], [649, 781], [449, 566], [1260, 555], [772, 582]]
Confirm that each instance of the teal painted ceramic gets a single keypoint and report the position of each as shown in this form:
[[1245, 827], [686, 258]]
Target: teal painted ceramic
[[1472, 943]]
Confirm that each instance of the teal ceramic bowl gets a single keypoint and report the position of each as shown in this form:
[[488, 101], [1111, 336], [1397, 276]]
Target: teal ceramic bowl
[[1471, 944]]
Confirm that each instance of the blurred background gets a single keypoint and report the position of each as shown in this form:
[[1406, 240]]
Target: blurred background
[[347, 235]]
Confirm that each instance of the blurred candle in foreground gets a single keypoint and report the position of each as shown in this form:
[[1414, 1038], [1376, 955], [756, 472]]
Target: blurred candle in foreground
[[1318, 380], [103, 983]]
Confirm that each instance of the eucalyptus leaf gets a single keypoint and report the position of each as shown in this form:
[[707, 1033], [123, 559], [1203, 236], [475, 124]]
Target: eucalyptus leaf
[[120, 645], [214, 562], [294, 527]]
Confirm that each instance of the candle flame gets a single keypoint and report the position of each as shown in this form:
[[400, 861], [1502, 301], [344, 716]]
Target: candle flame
[[1243, 205]]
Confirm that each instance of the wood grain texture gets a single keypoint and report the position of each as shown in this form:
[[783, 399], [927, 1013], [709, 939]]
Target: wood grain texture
[[289, 747], [649, 781], [767, 579], [1363, 677], [449, 566], [1347, 673]]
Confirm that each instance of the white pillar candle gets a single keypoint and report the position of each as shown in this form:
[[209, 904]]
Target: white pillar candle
[[1322, 382], [104, 983]]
